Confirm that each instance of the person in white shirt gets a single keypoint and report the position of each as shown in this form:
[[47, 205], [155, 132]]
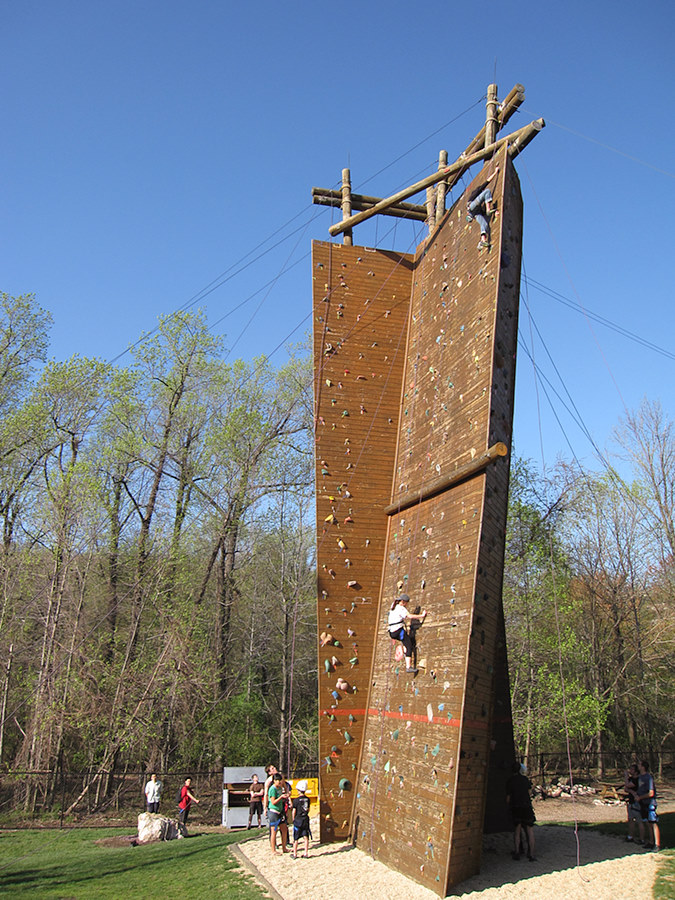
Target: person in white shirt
[[153, 791], [398, 614]]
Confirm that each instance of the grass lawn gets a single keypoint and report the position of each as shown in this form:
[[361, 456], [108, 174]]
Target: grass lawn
[[664, 886], [70, 865]]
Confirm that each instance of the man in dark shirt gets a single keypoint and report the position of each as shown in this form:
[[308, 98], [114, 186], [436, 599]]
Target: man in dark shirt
[[520, 803], [630, 786]]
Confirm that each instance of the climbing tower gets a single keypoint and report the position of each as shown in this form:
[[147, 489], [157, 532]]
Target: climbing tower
[[414, 379]]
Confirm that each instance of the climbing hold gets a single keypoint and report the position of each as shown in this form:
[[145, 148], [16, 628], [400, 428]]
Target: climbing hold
[[345, 784]]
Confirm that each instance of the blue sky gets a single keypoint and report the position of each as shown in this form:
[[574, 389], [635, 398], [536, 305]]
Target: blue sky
[[151, 149]]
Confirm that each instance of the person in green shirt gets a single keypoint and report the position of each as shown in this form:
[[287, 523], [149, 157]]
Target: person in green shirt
[[276, 804]]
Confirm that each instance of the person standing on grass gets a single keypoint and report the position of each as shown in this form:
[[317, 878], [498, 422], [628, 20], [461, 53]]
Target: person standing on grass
[[647, 797], [187, 798], [153, 792], [255, 792]]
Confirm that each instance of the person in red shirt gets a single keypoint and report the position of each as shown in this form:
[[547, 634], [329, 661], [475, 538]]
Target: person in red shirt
[[186, 801]]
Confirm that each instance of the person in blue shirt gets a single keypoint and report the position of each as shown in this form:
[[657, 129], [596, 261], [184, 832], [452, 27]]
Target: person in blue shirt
[[646, 795]]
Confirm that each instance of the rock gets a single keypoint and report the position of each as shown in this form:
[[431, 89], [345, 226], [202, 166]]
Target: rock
[[153, 827]]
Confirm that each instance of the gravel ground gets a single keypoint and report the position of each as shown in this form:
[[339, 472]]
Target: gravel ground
[[569, 865]]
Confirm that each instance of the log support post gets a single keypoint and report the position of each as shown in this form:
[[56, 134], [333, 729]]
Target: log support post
[[442, 187], [431, 207], [347, 204], [491, 115]]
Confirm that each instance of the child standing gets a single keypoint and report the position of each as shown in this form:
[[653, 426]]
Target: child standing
[[275, 812], [301, 819]]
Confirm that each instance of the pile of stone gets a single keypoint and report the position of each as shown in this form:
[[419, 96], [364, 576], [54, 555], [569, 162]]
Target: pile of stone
[[564, 791]]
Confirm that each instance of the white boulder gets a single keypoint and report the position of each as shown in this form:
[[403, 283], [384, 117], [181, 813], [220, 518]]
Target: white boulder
[[153, 827]]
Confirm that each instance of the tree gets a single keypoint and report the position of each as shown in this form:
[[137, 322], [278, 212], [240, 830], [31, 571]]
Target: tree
[[71, 396], [647, 438]]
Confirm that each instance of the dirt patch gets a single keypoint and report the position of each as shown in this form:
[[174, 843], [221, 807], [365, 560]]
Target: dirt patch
[[119, 840]]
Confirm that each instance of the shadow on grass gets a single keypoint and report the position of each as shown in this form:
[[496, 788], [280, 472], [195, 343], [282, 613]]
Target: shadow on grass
[[666, 826], [37, 863]]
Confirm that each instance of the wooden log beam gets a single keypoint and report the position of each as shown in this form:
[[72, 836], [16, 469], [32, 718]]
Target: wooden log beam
[[507, 108], [441, 188], [438, 485], [509, 105], [527, 134], [417, 212], [442, 175], [326, 197], [347, 203], [491, 124]]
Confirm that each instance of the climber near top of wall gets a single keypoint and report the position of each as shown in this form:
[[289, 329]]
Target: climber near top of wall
[[480, 205]]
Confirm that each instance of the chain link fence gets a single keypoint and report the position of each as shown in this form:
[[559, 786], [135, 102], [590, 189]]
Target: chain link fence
[[93, 797]]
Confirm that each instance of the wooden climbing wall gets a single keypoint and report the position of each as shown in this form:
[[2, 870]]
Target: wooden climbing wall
[[361, 302], [405, 761]]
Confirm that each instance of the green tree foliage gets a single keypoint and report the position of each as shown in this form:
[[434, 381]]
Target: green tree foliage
[[157, 570], [588, 600], [157, 550]]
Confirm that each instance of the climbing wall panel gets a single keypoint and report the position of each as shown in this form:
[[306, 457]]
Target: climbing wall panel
[[361, 300], [422, 781]]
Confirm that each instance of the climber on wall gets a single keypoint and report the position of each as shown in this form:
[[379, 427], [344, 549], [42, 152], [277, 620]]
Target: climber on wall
[[398, 616], [480, 205]]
